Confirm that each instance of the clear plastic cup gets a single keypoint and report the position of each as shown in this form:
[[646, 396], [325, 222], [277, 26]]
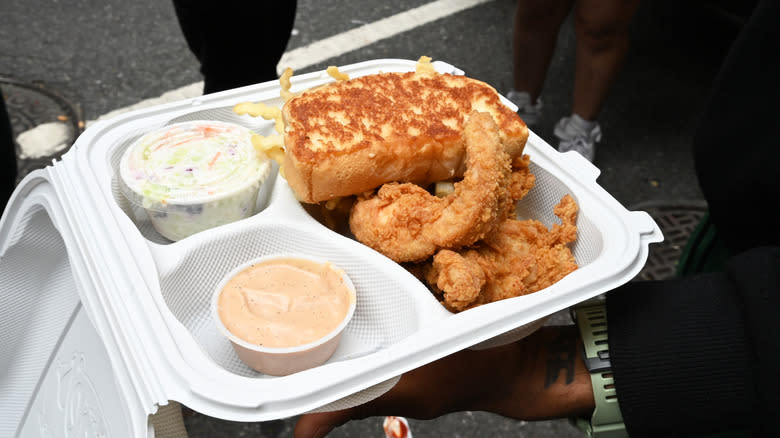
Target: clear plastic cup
[[285, 360], [193, 176]]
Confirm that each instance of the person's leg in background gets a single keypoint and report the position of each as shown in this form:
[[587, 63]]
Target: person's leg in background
[[602, 29], [237, 42], [8, 171], [536, 27]]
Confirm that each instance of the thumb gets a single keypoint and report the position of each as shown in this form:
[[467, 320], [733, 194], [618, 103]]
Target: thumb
[[319, 424]]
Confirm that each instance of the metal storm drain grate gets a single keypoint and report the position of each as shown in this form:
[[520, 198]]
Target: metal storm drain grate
[[34, 105], [677, 221]]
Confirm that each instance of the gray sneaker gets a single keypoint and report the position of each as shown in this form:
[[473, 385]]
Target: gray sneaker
[[577, 134], [529, 112]]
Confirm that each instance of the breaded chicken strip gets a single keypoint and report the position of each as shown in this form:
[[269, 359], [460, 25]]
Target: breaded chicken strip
[[520, 257]]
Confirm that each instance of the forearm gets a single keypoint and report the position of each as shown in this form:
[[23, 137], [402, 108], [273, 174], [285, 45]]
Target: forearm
[[542, 376], [554, 383]]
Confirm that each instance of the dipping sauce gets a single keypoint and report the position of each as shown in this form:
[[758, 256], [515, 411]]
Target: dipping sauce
[[284, 302]]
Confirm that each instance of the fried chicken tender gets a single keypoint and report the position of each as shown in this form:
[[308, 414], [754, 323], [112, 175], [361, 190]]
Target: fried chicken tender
[[407, 224], [520, 257], [460, 279], [521, 181]]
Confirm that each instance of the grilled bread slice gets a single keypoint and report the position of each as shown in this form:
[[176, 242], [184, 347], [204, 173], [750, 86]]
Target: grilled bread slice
[[352, 136]]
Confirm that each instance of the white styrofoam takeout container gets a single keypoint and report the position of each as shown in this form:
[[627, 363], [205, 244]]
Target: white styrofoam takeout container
[[103, 320]]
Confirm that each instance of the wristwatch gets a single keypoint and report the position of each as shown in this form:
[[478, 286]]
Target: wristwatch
[[606, 421]]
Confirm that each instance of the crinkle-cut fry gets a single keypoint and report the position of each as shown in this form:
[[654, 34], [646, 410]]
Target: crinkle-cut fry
[[444, 188], [285, 83], [261, 110], [424, 65], [331, 204], [334, 72], [272, 146]]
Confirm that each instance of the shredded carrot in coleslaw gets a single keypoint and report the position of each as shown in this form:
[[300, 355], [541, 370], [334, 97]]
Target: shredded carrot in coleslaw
[[214, 160]]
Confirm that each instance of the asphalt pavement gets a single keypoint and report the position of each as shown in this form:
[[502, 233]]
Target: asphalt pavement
[[98, 56]]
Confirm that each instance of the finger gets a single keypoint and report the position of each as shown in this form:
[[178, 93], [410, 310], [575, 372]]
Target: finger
[[320, 424]]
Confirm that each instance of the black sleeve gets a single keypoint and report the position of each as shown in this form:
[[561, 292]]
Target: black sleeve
[[701, 354], [737, 142], [697, 354]]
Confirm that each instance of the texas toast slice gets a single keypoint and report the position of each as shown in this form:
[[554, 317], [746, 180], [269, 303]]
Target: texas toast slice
[[351, 136]]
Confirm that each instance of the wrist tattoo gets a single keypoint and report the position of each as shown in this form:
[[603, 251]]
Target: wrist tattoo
[[561, 356]]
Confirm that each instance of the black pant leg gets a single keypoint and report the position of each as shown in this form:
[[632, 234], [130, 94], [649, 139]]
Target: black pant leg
[[8, 170], [237, 43]]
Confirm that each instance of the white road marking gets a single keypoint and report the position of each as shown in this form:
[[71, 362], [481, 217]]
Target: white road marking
[[370, 33], [39, 140]]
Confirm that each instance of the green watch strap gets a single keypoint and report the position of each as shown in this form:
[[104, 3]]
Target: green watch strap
[[606, 421]]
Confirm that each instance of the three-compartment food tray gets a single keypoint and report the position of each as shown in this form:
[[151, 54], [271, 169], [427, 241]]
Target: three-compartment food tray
[[102, 312]]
